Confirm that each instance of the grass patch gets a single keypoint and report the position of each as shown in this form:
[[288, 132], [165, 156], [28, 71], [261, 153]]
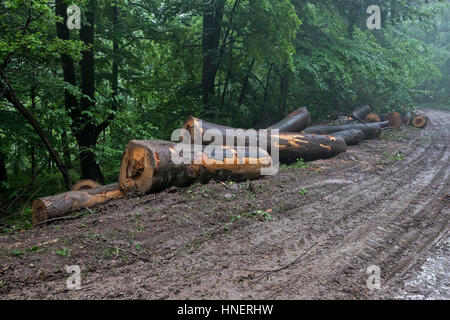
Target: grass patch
[[299, 164]]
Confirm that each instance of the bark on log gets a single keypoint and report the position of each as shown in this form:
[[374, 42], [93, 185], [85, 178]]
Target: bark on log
[[296, 121], [384, 116], [148, 165], [351, 136], [63, 203], [197, 127], [371, 130], [408, 117], [372, 117], [85, 184], [395, 119], [419, 121], [361, 112], [292, 146]]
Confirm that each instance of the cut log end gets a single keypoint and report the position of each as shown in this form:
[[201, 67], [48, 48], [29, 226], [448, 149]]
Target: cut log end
[[137, 168], [395, 119], [372, 117], [419, 121], [40, 211], [149, 166]]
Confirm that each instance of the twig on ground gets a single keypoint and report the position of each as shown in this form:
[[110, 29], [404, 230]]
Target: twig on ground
[[267, 272]]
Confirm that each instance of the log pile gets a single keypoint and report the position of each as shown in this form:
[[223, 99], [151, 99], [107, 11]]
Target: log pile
[[207, 151]]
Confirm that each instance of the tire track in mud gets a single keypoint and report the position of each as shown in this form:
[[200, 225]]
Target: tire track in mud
[[418, 161], [362, 234]]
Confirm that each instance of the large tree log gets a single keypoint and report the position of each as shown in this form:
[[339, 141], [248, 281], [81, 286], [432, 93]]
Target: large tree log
[[415, 120], [63, 203], [152, 165], [296, 121], [407, 118], [291, 146], [351, 136], [372, 117], [419, 121], [371, 130], [395, 119], [361, 112]]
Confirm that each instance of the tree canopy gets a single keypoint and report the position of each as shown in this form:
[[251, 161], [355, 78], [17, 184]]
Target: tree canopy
[[71, 99]]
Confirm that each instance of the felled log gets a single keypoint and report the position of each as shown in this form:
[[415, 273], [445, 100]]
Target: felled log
[[419, 121], [293, 146], [361, 112], [384, 124], [58, 205], [383, 116], [372, 117], [351, 136], [294, 122], [152, 165], [395, 119], [371, 130], [197, 127], [85, 184], [408, 117]]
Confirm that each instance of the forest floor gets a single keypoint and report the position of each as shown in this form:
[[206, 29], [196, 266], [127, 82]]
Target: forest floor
[[310, 232]]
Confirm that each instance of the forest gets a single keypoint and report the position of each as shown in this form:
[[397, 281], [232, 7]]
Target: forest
[[70, 100]]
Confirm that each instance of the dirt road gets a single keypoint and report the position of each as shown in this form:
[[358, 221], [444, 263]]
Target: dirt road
[[306, 233]]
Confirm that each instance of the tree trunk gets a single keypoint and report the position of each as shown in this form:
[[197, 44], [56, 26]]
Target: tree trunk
[[245, 84], [395, 119], [408, 117], [296, 121], [66, 150], [419, 121], [372, 117], [71, 102], [291, 146], [148, 165], [88, 134], [371, 130], [10, 95], [58, 205], [351, 136], [212, 21], [3, 171], [284, 86], [361, 112]]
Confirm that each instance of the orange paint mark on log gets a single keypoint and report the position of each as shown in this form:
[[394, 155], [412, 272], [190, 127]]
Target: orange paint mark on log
[[300, 140], [326, 147], [156, 160], [331, 138]]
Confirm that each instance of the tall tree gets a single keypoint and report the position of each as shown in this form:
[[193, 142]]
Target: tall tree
[[212, 22]]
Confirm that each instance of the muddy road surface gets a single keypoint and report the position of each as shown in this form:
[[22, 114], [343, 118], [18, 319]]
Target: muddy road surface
[[310, 232]]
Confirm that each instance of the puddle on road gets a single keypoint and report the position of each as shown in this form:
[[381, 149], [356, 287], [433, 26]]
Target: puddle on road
[[433, 281]]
